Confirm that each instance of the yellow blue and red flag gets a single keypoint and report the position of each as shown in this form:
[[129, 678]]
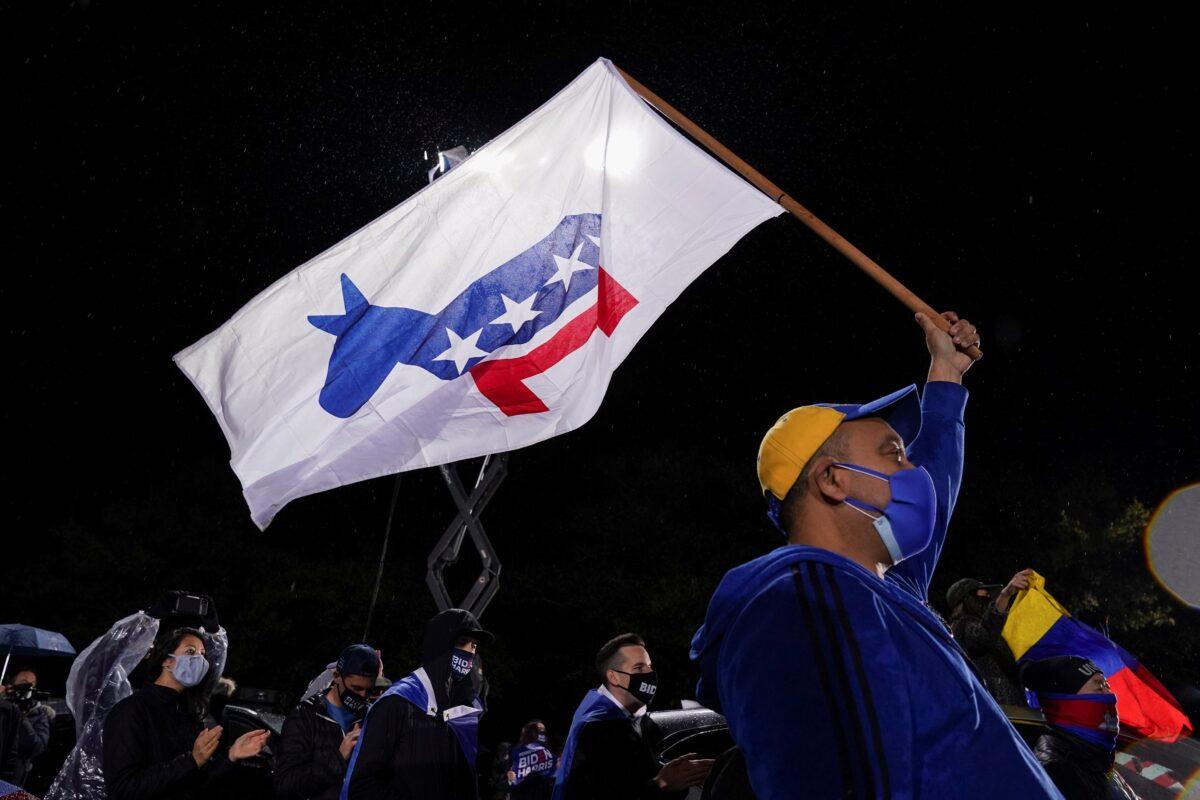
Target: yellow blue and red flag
[[1039, 626]]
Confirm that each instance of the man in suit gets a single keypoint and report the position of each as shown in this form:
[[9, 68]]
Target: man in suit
[[610, 748]]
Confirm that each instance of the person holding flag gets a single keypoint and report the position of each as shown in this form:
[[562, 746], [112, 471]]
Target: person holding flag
[[1038, 627], [825, 651], [976, 620]]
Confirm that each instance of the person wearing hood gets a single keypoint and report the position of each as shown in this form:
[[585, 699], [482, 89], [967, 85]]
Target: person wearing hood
[[155, 744], [320, 734], [610, 748], [1081, 712], [836, 677], [419, 739]]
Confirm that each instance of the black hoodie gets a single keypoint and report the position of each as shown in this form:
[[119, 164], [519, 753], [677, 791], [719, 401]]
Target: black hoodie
[[440, 635], [406, 753]]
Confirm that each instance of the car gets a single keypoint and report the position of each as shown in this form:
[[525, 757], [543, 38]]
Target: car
[[1155, 770]]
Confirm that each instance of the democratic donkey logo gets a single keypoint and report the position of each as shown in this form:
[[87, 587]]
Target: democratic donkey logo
[[507, 306]]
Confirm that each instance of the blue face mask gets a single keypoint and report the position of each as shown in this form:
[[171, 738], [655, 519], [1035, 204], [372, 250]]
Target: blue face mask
[[906, 525], [189, 670]]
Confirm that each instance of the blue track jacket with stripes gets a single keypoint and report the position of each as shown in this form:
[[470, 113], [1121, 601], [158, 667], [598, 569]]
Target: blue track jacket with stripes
[[838, 684]]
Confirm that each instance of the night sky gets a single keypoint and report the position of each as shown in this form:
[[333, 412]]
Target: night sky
[[1034, 173]]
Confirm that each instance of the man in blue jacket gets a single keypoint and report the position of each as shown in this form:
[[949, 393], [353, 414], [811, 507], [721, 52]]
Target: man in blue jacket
[[836, 677]]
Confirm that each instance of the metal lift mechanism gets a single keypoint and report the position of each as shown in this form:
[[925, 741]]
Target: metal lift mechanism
[[446, 552]]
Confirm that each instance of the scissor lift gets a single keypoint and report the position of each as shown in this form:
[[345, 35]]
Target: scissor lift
[[446, 552]]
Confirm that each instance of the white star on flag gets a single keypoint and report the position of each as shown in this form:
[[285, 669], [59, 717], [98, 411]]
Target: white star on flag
[[516, 314], [462, 350], [568, 267]]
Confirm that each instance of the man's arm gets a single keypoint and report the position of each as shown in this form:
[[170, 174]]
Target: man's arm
[[940, 446]]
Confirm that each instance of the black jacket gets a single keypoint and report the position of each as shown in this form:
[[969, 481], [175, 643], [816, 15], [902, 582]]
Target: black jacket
[[32, 739], [10, 729], [148, 740], [1081, 770], [615, 758], [405, 753], [980, 638], [309, 764]]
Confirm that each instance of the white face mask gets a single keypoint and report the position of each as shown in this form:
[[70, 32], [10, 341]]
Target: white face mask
[[189, 670]]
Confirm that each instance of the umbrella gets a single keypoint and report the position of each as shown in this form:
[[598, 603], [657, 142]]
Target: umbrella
[[25, 640]]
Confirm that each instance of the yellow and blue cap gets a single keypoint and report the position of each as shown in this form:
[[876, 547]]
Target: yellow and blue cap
[[796, 437]]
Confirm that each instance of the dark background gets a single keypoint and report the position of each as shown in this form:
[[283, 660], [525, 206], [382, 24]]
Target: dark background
[[1034, 173]]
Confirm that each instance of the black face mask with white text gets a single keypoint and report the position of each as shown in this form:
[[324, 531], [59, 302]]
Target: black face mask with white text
[[353, 702], [642, 685], [461, 663]]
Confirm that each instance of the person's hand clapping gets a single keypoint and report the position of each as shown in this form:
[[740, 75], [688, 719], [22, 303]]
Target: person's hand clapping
[[949, 362], [348, 742], [248, 744], [683, 773], [205, 745]]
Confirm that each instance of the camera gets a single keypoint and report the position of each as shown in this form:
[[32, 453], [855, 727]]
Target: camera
[[184, 609], [24, 696], [190, 605]]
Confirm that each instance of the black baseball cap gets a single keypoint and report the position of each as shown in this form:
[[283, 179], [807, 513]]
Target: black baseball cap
[[968, 586], [359, 659], [470, 627]]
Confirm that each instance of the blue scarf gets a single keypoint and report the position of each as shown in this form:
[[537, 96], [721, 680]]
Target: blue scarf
[[463, 720], [595, 707]]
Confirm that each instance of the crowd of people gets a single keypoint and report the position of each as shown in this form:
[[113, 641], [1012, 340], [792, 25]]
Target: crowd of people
[[824, 651]]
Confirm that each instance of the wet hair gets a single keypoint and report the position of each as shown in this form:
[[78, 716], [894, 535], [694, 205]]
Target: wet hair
[[610, 654], [194, 699], [834, 446], [529, 732]]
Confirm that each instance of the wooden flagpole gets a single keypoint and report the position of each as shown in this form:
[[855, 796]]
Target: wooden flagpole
[[856, 256]]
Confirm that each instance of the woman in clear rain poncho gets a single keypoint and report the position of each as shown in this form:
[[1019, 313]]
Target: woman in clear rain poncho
[[156, 746], [100, 678]]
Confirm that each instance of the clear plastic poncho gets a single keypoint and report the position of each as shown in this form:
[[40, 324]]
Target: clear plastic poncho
[[318, 684], [99, 680]]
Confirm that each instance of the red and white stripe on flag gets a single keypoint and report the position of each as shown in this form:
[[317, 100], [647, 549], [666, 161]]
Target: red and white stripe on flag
[[484, 313]]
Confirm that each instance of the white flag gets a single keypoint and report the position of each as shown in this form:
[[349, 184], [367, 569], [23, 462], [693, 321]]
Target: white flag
[[485, 313]]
